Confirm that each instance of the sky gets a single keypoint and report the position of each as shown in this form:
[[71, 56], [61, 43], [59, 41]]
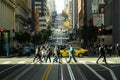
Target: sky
[[59, 5]]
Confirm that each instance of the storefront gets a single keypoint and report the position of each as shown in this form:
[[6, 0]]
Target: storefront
[[4, 42]]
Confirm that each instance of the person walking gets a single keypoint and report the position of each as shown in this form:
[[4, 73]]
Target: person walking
[[48, 54], [118, 50], [102, 52], [57, 54], [43, 54], [71, 54], [37, 54]]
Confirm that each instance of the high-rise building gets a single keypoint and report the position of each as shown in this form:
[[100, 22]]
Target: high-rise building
[[42, 12], [112, 19], [80, 13], [51, 6]]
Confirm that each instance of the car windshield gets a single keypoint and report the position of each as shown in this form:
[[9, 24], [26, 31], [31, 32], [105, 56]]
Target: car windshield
[[76, 48]]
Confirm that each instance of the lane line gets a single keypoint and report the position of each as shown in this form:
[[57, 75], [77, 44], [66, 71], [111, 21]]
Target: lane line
[[8, 68], [98, 75], [80, 72], [46, 78], [111, 72], [20, 75], [61, 72], [46, 73], [70, 72]]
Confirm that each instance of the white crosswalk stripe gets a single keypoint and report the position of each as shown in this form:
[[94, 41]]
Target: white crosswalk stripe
[[21, 62], [63, 61], [7, 62]]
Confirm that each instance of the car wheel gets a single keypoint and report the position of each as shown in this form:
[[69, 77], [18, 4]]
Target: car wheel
[[80, 55]]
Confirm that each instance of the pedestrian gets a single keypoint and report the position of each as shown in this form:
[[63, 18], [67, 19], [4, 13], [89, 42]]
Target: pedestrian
[[37, 54], [43, 54], [71, 54], [48, 54], [57, 54], [118, 50], [102, 52]]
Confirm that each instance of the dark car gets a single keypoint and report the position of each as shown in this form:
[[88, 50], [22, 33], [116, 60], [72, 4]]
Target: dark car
[[26, 50]]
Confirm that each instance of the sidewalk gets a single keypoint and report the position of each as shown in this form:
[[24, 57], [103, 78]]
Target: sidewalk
[[9, 56]]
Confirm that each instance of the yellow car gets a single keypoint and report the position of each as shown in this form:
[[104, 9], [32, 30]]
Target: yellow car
[[79, 52]]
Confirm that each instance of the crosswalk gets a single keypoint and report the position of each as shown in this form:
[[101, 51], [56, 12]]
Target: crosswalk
[[12, 62], [63, 61]]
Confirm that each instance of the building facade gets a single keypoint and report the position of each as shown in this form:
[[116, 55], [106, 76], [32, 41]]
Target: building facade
[[42, 12], [51, 6], [107, 16], [80, 13], [113, 14], [23, 15], [7, 14]]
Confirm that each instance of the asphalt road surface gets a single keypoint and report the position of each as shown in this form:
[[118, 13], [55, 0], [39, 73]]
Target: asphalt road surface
[[85, 69]]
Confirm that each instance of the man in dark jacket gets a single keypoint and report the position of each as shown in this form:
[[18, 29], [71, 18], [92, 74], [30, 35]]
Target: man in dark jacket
[[102, 54]]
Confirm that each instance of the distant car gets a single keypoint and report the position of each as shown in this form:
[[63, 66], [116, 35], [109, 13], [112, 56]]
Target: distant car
[[26, 51], [79, 52]]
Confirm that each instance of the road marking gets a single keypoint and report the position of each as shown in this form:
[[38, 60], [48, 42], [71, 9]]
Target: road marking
[[8, 68], [93, 61], [64, 61], [46, 73], [111, 72], [21, 62], [82, 62], [110, 62], [61, 72], [20, 75], [7, 62], [107, 61], [114, 65], [70, 72], [98, 75]]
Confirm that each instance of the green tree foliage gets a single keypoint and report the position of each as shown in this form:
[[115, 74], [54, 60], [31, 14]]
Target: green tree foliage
[[22, 37], [41, 37], [50, 24], [65, 15], [54, 14], [89, 34], [36, 39]]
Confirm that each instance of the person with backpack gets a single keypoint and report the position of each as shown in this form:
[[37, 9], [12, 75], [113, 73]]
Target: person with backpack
[[102, 52], [71, 54], [37, 54]]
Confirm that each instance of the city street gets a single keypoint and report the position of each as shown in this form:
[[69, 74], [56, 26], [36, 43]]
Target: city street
[[22, 68]]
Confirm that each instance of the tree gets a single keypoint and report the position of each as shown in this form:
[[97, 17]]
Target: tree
[[66, 24], [65, 15], [54, 14], [50, 24], [22, 37], [89, 35]]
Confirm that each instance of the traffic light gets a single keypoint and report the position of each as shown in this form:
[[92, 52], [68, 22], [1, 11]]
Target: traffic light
[[100, 29], [1, 30]]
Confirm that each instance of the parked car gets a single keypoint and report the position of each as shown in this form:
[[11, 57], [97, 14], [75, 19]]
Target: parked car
[[79, 52], [26, 50]]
